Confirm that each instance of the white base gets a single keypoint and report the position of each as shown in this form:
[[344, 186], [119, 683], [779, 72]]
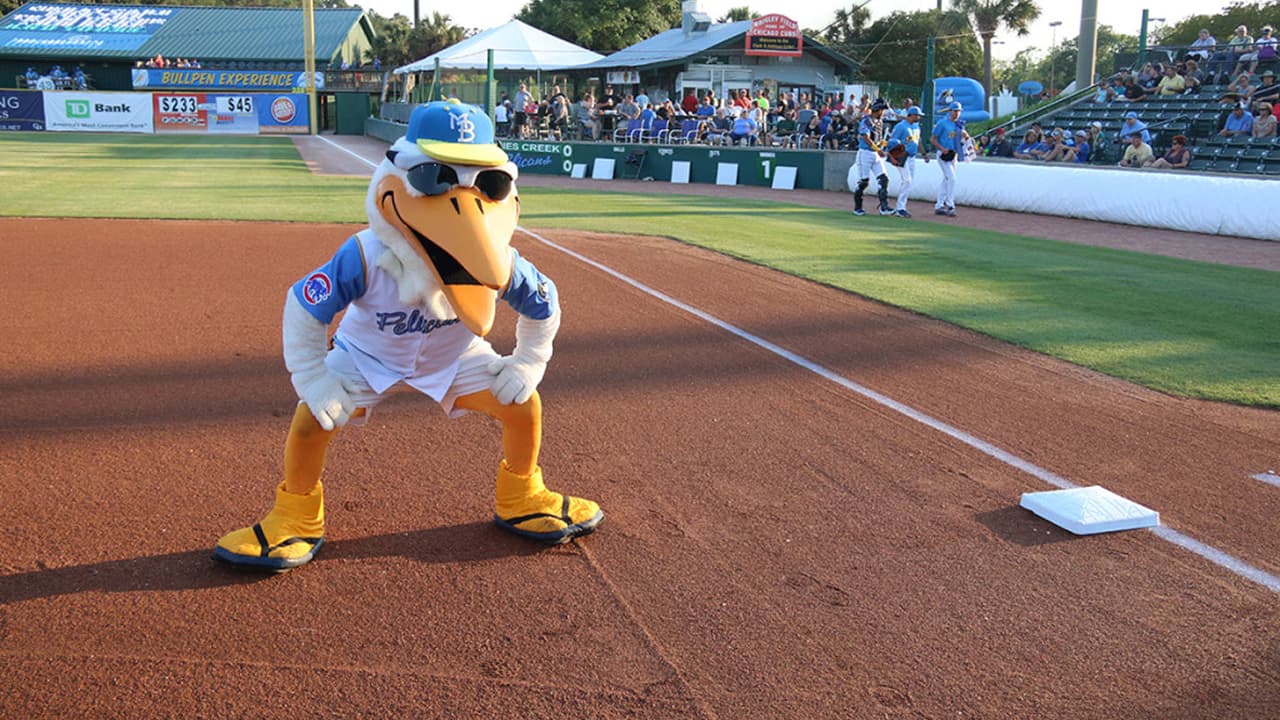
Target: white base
[[1089, 510]]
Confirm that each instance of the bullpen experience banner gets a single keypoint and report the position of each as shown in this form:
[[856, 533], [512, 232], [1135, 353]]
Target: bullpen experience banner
[[98, 111], [276, 80], [21, 110]]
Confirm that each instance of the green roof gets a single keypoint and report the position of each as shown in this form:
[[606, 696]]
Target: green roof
[[43, 29]]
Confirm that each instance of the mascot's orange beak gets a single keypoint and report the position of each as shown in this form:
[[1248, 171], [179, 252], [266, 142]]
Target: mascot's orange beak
[[464, 237]]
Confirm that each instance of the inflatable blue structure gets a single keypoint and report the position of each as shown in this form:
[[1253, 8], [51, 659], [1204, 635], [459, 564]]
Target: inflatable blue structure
[[967, 91]]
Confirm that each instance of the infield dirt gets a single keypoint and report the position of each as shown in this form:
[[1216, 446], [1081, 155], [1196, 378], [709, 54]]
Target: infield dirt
[[775, 547]]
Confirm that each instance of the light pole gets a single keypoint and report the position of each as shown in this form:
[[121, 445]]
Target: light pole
[[1053, 56], [991, 99], [1142, 37]]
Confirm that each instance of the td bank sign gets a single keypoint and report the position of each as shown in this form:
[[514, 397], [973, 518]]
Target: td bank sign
[[85, 109]]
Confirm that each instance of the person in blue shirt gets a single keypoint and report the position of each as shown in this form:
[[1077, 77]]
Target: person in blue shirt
[[907, 135], [948, 138], [744, 128], [1239, 122], [1133, 125], [1079, 152], [32, 76], [870, 162]]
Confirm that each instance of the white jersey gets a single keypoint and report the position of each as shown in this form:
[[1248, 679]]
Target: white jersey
[[391, 342]]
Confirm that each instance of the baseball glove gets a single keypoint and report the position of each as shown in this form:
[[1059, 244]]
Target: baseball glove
[[947, 155], [898, 155]]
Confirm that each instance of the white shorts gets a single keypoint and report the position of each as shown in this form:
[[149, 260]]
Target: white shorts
[[472, 377]]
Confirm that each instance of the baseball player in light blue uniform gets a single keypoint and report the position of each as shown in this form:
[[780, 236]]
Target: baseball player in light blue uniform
[[907, 134], [948, 138]]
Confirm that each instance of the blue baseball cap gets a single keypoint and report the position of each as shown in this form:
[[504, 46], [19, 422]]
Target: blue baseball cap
[[454, 132], [954, 106], [1131, 114], [913, 110]]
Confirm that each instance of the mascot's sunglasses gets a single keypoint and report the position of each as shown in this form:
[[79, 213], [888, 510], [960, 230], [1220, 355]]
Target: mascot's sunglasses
[[434, 178]]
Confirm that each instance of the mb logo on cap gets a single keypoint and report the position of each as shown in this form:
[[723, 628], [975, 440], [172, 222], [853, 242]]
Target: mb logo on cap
[[454, 132]]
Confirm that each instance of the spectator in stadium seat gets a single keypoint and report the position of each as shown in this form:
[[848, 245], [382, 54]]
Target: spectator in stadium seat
[[1133, 125], [1137, 154], [838, 132], [1079, 152], [1202, 48], [1268, 88], [588, 121], [690, 102], [1238, 123], [1051, 147], [1000, 145], [1192, 76], [1264, 124], [1133, 92], [744, 130], [811, 133], [1178, 157], [1264, 49], [31, 77], [707, 108], [1172, 83], [1096, 136], [1030, 146], [628, 109], [784, 131], [1105, 92], [720, 128], [1225, 58]]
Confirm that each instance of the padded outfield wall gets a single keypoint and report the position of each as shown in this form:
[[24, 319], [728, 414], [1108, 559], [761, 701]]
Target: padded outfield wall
[[1189, 201]]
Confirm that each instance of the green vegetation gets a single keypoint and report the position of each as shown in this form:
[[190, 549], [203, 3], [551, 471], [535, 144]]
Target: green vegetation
[[1193, 329]]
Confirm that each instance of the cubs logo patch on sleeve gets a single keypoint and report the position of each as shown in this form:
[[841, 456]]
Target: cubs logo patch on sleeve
[[317, 288]]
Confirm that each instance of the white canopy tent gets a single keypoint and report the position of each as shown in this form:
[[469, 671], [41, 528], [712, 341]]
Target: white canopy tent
[[516, 46]]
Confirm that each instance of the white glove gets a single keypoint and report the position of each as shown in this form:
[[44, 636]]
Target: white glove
[[306, 340], [326, 394], [517, 375]]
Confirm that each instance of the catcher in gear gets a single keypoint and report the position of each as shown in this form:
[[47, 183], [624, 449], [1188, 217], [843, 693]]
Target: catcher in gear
[[420, 288], [870, 162]]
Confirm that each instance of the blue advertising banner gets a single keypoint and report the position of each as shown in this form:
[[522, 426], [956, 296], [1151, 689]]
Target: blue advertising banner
[[278, 80], [82, 27], [283, 114], [21, 110]]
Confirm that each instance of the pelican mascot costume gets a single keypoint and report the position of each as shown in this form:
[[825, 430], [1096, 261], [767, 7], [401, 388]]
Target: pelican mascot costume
[[420, 287]]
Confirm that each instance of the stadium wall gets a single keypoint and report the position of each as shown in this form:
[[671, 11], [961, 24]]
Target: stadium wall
[[1192, 202]]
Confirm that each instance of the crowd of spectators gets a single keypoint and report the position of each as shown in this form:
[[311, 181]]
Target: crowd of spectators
[[160, 62], [742, 117], [56, 79]]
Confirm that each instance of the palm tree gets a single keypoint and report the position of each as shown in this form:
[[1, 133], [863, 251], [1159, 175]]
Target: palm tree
[[987, 16]]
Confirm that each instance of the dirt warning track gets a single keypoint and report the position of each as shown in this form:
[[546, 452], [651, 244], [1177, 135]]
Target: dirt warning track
[[776, 546]]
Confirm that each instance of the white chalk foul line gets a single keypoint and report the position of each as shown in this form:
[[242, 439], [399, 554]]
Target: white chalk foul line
[[1213, 555], [347, 151]]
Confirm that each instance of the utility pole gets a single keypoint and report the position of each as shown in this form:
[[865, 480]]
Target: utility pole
[[1142, 41], [929, 93], [1087, 45], [1053, 57]]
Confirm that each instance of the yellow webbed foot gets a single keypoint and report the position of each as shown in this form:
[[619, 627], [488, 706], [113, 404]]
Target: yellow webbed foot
[[287, 537], [527, 508]]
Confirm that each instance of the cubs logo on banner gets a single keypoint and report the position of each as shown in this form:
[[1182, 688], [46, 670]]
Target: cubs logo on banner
[[776, 35]]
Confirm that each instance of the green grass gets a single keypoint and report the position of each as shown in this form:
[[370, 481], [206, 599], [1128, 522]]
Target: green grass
[[1188, 328]]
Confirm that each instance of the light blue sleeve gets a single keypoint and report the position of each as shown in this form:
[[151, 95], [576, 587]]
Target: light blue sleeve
[[327, 290], [531, 293], [899, 135]]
